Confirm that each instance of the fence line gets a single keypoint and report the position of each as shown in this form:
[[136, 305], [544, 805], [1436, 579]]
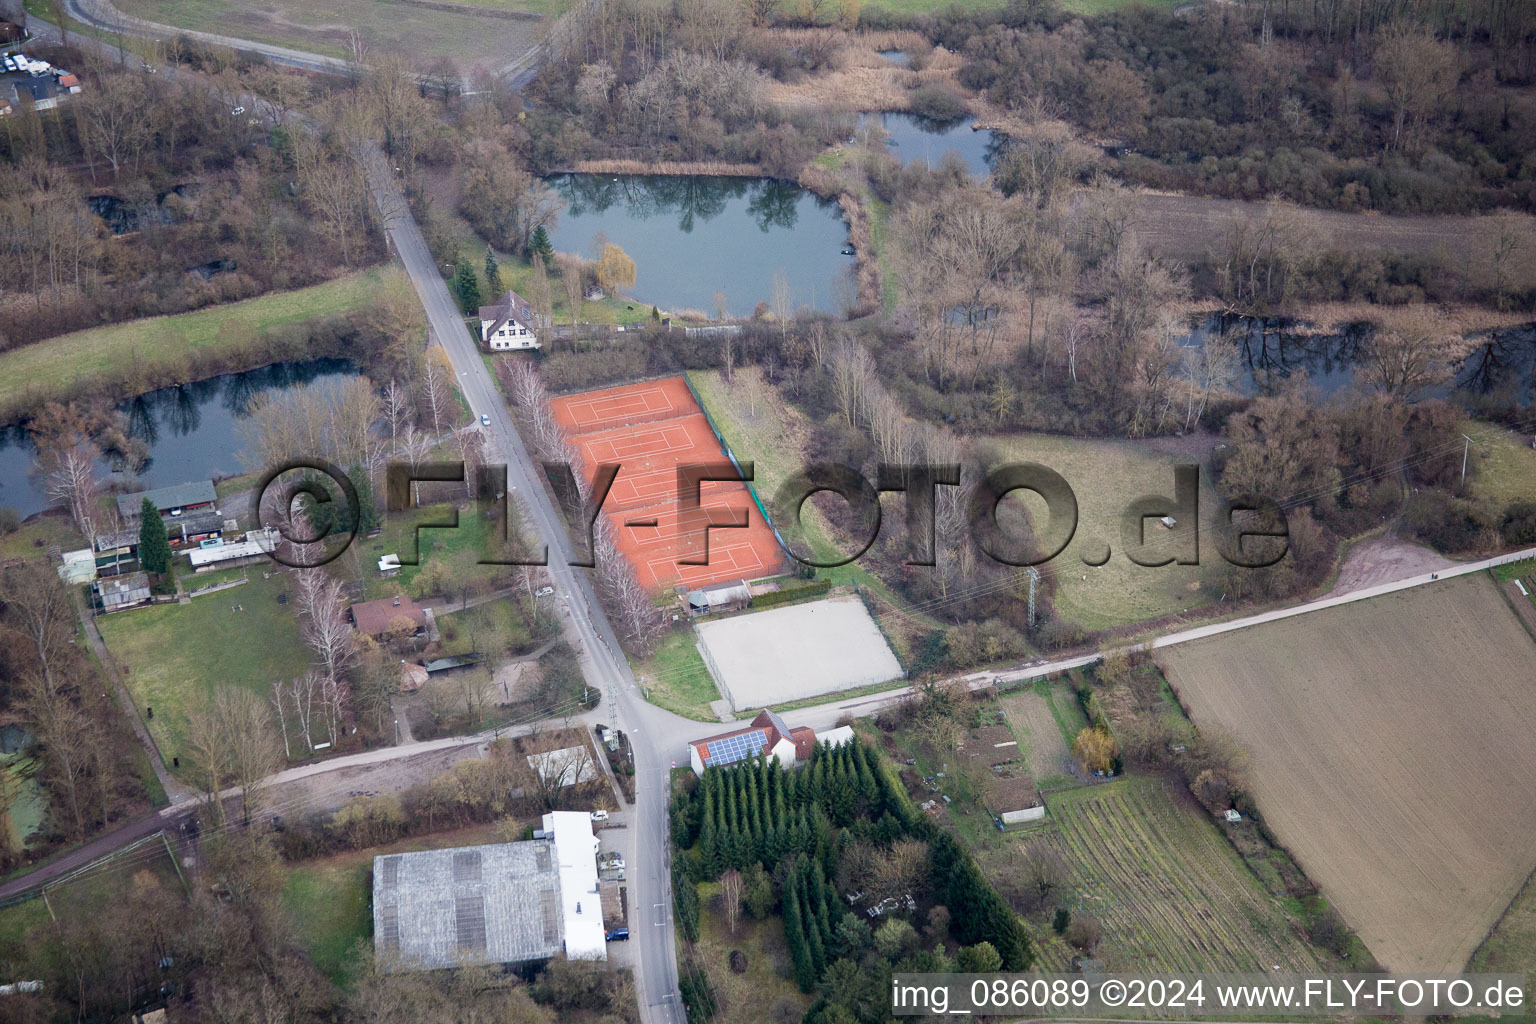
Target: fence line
[[725, 446]]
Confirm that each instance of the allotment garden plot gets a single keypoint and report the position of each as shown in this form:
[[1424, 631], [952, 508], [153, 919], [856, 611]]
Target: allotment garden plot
[[1393, 742], [1169, 891]]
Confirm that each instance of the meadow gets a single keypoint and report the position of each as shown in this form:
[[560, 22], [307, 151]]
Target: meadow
[[174, 656], [73, 364], [1105, 477], [485, 33], [674, 677], [1045, 718]]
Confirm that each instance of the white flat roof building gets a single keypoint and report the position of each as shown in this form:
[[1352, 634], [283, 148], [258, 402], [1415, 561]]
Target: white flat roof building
[[257, 542], [580, 902]]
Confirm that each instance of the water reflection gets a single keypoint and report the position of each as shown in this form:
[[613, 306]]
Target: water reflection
[[1271, 350], [189, 431], [691, 198], [694, 235], [914, 137], [1502, 368]]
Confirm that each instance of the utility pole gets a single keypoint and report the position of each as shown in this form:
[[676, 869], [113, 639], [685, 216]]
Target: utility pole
[[1034, 581], [1465, 449]]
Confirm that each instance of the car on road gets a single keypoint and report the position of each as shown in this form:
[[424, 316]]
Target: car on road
[[617, 935], [544, 591], [485, 420]]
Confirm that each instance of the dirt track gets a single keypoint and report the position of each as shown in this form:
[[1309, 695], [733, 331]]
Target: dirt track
[[1184, 227], [1392, 745], [1384, 560], [331, 790]]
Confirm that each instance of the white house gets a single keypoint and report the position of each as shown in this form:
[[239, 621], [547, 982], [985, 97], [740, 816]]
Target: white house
[[509, 324]]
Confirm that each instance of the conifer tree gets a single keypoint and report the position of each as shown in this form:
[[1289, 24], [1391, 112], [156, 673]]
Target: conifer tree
[[794, 935], [709, 835], [492, 272], [154, 545]]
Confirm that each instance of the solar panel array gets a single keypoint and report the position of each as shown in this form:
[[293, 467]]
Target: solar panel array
[[466, 866], [389, 871], [736, 748], [469, 922], [389, 929], [549, 911]]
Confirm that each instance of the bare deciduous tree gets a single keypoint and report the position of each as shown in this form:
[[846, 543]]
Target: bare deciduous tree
[[326, 630], [731, 889], [1411, 351], [1418, 72]]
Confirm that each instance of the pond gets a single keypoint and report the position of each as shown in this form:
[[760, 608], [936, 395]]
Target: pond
[[190, 431], [1271, 350], [694, 235], [901, 58], [1500, 367], [914, 137]]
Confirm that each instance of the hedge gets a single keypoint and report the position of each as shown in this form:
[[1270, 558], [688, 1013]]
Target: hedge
[[791, 595]]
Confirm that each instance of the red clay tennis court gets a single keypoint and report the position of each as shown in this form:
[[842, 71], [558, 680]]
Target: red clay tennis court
[[626, 405], [649, 430]]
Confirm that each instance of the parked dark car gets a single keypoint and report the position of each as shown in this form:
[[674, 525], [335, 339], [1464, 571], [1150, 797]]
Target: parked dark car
[[617, 935]]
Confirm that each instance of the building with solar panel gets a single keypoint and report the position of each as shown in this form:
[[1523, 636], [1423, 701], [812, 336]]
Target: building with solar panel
[[768, 735], [509, 903]]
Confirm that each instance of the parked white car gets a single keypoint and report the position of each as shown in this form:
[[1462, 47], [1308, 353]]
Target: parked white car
[[599, 815], [544, 591]]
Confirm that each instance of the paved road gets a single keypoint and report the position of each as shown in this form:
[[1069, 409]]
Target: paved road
[[104, 15], [826, 715], [653, 733], [101, 14]]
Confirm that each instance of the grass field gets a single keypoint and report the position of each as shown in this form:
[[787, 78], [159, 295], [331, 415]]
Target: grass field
[[1391, 755], [1106, 476], [675, 678], [328, 905], [471, 537], [34, 539], [1506, 464], [1045, 718], [764, 991], [72, 362], [760, 426], [1169, 891], [174, 656], [472, 32], [1511, 947]]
